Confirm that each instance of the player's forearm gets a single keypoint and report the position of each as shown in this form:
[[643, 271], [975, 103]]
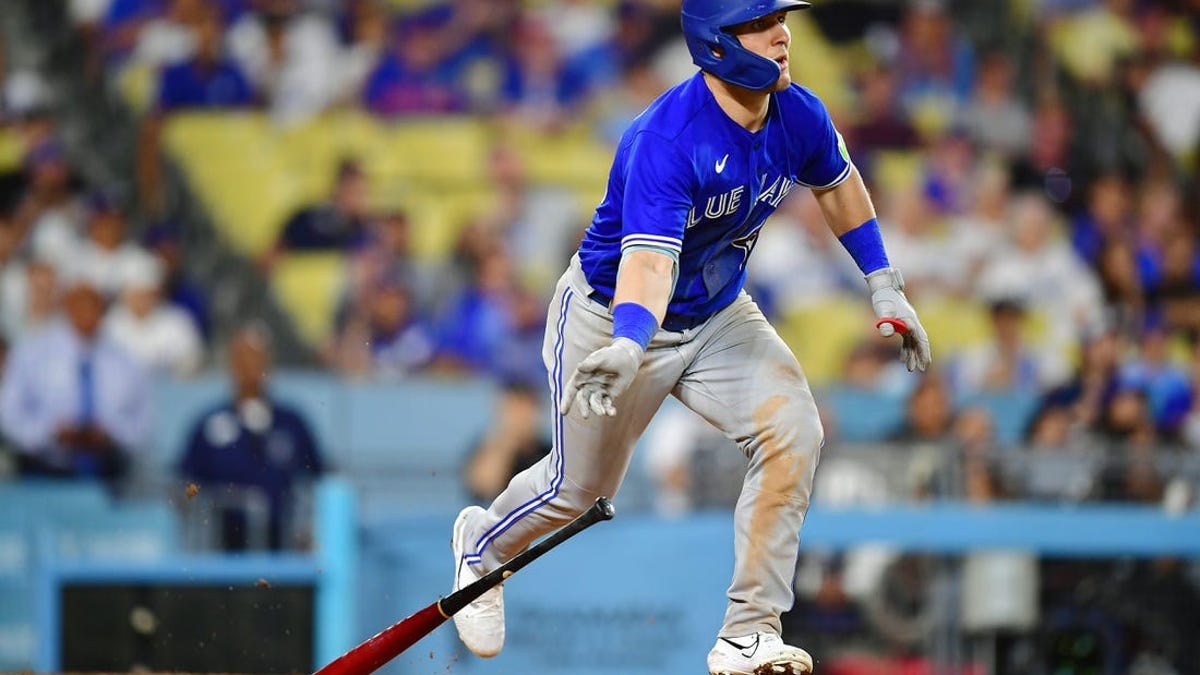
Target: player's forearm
[[646, 278], [851, 217], [847, 205]]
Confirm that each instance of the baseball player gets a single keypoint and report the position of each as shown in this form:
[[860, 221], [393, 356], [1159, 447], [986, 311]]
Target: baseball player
[[652, 305]]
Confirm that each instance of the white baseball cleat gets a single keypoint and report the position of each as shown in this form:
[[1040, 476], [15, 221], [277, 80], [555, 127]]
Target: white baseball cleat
[[480, 624], [757, 654]]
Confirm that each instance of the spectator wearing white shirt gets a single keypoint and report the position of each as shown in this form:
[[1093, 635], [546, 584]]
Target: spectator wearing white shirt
[[28, 298], [103, 256], [364, 39], [1170, 102], [576, 25], [292, 57], [51, 213], [995, 116], [28, 288], [170, 37], [915, 245], [72, 402], [163, 337], [1039, 269], [690, 462], [975, 236]]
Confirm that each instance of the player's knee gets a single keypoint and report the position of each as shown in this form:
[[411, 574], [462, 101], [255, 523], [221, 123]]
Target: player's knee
[[788, 445], [790, 441]]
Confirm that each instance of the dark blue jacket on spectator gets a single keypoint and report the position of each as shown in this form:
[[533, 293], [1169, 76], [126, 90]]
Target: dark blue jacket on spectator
[[193, 84], [123, 11], [267, 448], [323, 228]]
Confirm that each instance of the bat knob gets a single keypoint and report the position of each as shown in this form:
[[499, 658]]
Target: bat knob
[[506, 574], [605, 506], [888, 326]]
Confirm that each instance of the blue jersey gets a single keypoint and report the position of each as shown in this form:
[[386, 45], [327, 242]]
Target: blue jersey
[[689, 179]]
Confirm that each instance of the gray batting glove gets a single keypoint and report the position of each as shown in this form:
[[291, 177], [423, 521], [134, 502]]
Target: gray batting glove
[[601, 377], [896, 315]]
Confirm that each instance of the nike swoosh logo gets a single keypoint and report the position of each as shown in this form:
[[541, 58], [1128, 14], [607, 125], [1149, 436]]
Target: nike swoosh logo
[[721, 164], [747, 650]]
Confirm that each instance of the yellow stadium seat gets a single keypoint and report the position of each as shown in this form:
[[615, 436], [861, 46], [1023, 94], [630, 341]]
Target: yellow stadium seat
[[234, 163], [895, 170], [818, 65], [588, 198], [955, 324], [573, 160], [443, 152], [137, 84], [309, 286], [408, 5], [437, 218], [583, 165], [353, 132], [1090, 44], [310, 153], [12, 149], [821, 336]]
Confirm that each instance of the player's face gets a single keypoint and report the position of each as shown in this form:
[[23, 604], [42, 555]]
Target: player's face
[[768, 36]]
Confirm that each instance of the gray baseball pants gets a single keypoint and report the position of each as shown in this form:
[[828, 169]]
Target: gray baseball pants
[[734, 371]]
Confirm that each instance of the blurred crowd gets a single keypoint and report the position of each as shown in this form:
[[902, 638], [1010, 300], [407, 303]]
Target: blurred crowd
[[1035, 160], [1035, 163]]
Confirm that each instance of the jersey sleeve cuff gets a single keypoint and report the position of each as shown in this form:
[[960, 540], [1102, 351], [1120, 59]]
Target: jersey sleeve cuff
[[653, 241], [841, 177]]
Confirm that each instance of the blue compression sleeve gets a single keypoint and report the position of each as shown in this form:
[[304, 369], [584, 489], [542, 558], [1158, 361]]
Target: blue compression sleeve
[[865, 245], [631, 320]]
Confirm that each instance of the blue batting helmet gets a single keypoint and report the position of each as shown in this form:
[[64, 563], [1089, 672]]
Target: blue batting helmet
[[718, 52]]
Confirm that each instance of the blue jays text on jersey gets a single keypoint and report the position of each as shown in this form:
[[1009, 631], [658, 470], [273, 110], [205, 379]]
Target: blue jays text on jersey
[[688, 179]]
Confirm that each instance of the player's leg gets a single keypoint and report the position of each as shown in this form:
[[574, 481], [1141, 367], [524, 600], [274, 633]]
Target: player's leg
[[589, 457], [743, 379]]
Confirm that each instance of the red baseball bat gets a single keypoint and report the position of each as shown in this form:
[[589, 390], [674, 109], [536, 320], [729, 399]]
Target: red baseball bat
[[393, 640]]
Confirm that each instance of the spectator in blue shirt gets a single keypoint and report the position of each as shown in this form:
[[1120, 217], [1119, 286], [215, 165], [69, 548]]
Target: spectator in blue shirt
[[411, 78], [74, 403], [478, 319], [383, 336], [207, 80], [537, 85], [251, 445], [165, 240], [1164, 384], [123, 22], [637, 37]]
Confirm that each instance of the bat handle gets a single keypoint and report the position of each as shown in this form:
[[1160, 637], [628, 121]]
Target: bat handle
[[889, 326]]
